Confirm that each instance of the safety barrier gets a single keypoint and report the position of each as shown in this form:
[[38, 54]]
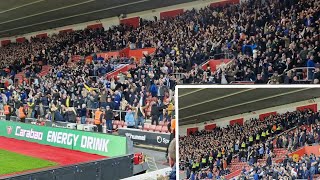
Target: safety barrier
[[242, 82], [225, 55], [146, 137], [111, 168], [90, 142], [302, 73]]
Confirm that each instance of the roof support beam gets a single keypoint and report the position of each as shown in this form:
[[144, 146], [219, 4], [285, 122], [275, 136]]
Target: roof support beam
[[241, 104]]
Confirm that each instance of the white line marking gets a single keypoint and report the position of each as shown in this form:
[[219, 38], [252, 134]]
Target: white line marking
[[215, 99], [190, 92], [249, 102], [76, 15], [18, 7], [45, 12]]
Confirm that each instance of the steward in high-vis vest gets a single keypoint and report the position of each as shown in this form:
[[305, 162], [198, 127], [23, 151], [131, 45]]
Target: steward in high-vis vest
[[210, 159], [257, 138], [251, 140], [7, 111], [203, 162], [219, 156], [98, 119], [172, 129], [263, 136], [267, 133], [243, 145], [195, 166], [279, 129], [22, 114], [173, 126]]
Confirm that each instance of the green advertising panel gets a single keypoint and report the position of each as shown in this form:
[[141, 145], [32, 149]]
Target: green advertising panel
[[95, 143]]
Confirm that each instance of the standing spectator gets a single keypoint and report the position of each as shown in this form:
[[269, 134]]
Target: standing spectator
[[129, 119], [139, 115], [155, 114], [310, 65], [109, 117], [83, 113], [98, 116], [22, 114], [7, 111]]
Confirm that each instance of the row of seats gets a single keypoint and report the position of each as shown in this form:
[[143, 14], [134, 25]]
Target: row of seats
[[155, 128], [162, 127]]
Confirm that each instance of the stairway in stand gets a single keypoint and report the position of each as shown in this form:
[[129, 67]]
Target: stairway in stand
[[20, 76], [236, 167], [45, 70]]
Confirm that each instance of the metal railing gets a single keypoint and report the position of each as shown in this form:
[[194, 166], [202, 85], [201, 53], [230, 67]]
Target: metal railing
[[108, 168], [89, 110], [242, 82], [225, 55], [178, 76], [302, 73]]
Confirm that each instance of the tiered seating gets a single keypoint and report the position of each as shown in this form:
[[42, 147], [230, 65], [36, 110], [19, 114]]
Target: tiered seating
[[20, 76], [45, 70], [279, 153]]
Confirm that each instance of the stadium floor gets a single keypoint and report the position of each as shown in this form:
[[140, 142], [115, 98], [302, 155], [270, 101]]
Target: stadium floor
[[159, 156], [11, 162], [59, 155], [66, 156]]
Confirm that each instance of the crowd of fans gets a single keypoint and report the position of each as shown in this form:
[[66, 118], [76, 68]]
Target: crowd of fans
[[290, 167], [252, 141], [266, 39], [70, 91]]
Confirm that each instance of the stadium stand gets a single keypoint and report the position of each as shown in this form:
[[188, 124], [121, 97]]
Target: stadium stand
[[257, 149], [269, 42]]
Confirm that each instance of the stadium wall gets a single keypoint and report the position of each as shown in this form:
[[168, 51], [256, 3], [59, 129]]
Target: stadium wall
[[114, 21], [241, 118]]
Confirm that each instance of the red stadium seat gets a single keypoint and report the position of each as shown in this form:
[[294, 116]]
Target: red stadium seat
[[116, 122], [161, 123], [158, 128], [152, 128], [89, 121], [164, 129], [121, 124], [146, 127], [78, 120], [125, 124]]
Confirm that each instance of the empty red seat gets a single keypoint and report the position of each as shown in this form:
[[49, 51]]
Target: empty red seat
[[152, 128], [164, 129], [125, 124], [115, 126], [121, 124], [116, 122], [161, 123], [146, 127], [158, 128], [89, 121], [78, 120]]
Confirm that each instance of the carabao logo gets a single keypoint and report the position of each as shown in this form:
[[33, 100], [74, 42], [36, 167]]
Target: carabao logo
[[9, 129]]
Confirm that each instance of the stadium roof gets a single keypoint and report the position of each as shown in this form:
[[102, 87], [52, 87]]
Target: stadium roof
[[200, 105], [19, 17]]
